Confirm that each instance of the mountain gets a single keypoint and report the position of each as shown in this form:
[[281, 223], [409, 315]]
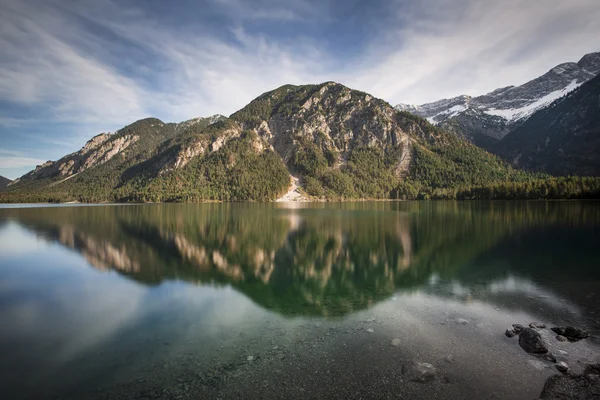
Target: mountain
[[321, 141], [561, 139], [140, 137], [486, 119], [4, 182]]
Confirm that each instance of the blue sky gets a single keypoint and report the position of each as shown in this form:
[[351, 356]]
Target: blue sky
[[70, 69]]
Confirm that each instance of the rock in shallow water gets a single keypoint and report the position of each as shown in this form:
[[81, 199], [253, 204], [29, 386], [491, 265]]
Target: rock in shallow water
[[581, 387], [396, 342], [562, 367], [518, 328], [537, 325], [531, 341], [420, 372], [561, 338], [592, 369], [571, 333], [510, 332]]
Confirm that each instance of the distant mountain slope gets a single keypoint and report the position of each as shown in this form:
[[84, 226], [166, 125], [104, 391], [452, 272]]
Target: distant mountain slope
[[488, 118], [337, 143], [563, 138], [100, 166], [4, 182]]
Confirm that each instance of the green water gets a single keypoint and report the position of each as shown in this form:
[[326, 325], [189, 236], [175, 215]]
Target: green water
[[200, 301]]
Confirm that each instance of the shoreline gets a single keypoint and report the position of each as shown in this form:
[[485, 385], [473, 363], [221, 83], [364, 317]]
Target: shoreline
[[306, 201]]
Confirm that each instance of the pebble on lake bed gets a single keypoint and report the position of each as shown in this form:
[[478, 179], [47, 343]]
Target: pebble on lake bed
[[396, 342], [537, 325], [420, 372], [562, 367], [370, 330], [250, 358], [561, 338], [462, 321]]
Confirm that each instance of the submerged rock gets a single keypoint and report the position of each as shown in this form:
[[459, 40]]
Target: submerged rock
[[462, 321], [518, 328], [592, 369], [510, 332], [581, 387], [449, 358], [537, 325], [370, 330], [396, 342], [562, 367], [571, 333], [531, 341], [420, 372], [561, 338]]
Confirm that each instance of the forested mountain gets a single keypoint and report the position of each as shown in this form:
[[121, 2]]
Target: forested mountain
[[4, 182], [337, 143], [486, 119], [563, 138]]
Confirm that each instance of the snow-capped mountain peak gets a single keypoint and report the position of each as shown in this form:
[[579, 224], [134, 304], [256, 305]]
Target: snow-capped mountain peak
[[496, 113]]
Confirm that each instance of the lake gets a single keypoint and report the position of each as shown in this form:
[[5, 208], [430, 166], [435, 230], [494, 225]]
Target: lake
[[293, 300]]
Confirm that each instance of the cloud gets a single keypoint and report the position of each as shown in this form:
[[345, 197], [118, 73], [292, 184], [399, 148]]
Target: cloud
[[14, 159], [443, 48], [42, 67]]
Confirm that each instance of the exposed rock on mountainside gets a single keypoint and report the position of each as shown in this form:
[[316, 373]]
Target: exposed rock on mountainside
[[488, 118], [4, 182], [562, 139]]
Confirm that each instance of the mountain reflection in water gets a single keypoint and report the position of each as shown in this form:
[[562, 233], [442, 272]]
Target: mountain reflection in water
[[331, 260]]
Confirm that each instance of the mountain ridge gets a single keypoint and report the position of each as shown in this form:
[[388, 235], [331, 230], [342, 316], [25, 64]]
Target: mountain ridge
[[488, 118], [338, 142], [563, 138]]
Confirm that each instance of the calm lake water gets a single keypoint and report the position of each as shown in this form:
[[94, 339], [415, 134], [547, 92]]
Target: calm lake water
[[292, 301]]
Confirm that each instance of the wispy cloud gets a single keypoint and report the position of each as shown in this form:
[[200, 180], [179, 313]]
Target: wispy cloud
[[42, 67], [443, 48]]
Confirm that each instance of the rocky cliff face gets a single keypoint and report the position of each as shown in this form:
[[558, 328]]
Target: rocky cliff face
[[334, 117], [96, 151], [488, 118]]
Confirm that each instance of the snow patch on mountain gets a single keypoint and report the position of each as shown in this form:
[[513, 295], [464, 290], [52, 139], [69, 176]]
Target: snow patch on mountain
[[515, 114], [495, 114]]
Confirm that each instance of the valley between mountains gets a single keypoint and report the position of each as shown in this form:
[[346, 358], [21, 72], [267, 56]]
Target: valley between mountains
[[329, 142]]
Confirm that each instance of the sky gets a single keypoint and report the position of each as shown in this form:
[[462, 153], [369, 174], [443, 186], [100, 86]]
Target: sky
[[70, 69]]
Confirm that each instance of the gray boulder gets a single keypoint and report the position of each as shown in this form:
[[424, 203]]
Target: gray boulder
[[568, 386], [531, 341], [571, 333]]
